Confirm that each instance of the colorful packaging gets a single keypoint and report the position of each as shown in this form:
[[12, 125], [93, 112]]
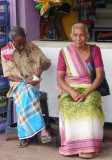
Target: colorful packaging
[[45, 1], [39, 6], [44, 5], [44, 8]]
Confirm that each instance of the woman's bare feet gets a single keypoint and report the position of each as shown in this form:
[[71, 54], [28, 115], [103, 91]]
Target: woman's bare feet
[[88, 155]]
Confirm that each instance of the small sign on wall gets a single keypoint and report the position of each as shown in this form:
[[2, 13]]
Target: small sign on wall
[[102, 35]]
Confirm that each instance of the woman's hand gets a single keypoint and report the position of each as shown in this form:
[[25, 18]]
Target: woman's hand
[[81, 97], [78, 97], [74, 94]]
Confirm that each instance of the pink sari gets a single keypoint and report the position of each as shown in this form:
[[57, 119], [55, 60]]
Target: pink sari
[[80, 123]]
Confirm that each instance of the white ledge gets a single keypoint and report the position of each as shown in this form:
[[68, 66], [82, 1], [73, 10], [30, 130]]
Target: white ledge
[[61, 44]]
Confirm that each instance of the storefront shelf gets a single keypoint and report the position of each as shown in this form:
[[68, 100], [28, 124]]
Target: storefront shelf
[[2, 125], [86, 22], [3, 110]]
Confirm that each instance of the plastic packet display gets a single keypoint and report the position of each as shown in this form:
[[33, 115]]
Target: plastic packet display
[[44, 5], [44, 8], [45, 1], [39, 6]]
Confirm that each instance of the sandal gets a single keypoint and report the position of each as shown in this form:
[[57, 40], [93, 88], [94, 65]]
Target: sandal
[[45, 138], [88, 156], [23, 143]]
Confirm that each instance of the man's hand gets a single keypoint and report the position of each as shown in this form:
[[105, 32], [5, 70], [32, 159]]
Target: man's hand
[[30, 81], [38, 72]]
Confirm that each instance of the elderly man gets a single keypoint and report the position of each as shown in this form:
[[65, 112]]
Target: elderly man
[[23, 63]]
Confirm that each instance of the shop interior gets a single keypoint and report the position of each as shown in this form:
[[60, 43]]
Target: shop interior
[[96, 14]]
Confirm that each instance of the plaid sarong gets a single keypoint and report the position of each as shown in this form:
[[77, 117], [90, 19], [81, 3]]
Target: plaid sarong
[[30, 120]]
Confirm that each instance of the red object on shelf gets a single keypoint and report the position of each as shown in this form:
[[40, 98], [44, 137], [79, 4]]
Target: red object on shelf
[[84, 16], [86, 22], [42, 23]]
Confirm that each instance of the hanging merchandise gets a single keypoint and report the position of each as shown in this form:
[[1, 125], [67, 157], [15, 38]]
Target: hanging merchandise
[[44, 8], [44, 5], [86, 11]]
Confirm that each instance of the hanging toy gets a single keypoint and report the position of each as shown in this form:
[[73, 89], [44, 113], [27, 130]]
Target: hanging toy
[[39, 6], [44, 8], [44, 5]]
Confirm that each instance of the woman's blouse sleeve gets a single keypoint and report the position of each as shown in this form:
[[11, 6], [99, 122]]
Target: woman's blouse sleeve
[[61, 62], [98, 62]]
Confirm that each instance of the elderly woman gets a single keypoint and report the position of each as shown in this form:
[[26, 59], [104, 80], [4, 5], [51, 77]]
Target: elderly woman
[[81, 118], [23, 62]]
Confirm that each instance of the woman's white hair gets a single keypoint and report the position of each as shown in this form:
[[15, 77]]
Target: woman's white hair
[[82, 25]]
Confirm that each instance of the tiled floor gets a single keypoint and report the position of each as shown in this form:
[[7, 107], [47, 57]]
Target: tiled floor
[[10, 151]]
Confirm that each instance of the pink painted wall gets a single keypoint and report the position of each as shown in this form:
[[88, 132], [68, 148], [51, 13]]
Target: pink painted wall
[[27, 17], [12, 12], [21, 13], [32, 20]]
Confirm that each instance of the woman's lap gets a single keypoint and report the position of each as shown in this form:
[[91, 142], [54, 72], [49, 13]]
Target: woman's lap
[[81, 124]]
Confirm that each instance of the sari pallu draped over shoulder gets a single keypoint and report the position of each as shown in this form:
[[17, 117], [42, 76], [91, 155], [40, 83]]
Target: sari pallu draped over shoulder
[[80, 123]]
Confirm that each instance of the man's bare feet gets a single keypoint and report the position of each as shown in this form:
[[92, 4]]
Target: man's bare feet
[[45, 137]]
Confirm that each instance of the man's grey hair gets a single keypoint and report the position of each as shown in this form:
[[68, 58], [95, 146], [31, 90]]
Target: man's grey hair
[[16, 31], [82, 25]]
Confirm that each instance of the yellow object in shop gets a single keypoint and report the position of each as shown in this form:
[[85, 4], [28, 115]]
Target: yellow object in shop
[[44, 8], [110, 1], [46, 5], [68, 21]]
